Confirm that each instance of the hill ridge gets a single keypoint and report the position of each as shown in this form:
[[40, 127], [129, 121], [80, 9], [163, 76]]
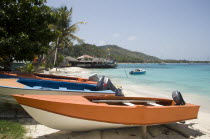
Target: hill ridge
[[121, 55], [129, 55]]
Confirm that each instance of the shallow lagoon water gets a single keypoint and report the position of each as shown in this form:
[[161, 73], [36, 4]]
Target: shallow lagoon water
[[192, 80]]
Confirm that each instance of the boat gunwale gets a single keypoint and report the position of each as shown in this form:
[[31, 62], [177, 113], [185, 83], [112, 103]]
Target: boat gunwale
[[36, 76], [80, 91], [60, 76]]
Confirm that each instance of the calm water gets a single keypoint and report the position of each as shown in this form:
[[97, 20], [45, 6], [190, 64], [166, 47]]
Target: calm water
[[192, 80]]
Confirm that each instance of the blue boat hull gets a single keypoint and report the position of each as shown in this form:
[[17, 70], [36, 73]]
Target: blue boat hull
[[137, 73], [52, 84], [57, 84]]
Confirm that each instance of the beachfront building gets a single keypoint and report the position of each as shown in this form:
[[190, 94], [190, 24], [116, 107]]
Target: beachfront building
[[87, 61]]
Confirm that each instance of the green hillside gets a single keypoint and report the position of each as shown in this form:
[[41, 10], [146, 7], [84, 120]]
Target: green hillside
[[119, 54], [86, 49], [124, 55]]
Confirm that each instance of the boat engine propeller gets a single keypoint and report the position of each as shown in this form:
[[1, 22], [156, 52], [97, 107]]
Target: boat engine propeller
[[177, 97], [105, 83]]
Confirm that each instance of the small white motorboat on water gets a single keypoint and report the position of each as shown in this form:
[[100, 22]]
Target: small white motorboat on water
[[137, 71]]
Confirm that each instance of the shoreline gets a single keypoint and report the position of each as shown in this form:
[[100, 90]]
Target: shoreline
[[130, 90], [168, 63], [196, 128]]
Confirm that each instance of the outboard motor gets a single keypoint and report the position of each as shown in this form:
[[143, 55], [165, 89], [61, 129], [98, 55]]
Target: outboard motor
[[177, 97], [94, 77], [105, 83], [118, 92]]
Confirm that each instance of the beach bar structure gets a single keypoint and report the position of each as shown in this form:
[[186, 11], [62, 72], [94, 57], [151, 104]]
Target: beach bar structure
[[87, 61]]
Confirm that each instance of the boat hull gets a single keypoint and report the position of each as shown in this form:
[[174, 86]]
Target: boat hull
[[86, 108], [137, 73], [65, 123]]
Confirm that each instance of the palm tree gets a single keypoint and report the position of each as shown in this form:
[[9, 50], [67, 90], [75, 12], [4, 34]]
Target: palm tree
[[65, 31]]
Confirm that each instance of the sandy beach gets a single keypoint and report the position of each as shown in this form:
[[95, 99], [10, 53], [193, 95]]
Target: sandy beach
[[197, 128], [152, 60]]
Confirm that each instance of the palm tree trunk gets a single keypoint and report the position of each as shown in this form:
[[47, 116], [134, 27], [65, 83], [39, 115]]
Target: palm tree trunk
[[49, 54], [55, 59], [44, 59]]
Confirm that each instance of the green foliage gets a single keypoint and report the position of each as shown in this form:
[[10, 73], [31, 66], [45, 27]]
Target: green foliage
[[11, 130], [87, 49], [124, 55], [24, 30], [65, 28], [60, 59], [48, 65], [28, 68], [65, 33], [117, 53], [183, 61]]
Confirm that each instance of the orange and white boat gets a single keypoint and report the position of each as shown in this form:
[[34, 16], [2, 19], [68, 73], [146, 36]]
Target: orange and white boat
[[46, 77], [82, 113]]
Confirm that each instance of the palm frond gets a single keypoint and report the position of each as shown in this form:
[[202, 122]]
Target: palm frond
[[73, 28], [73, 37]]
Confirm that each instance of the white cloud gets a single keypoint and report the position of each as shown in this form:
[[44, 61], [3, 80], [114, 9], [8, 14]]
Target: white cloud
[[116, 35], [131, 38]]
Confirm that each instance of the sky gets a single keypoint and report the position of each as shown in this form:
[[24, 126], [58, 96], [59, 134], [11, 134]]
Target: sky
[[167, 29]]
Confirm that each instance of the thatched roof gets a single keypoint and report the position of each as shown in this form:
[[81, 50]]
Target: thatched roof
[[98, 60], [85, 57]]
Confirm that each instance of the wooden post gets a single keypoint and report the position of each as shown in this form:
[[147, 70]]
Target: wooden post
[[144, 132]]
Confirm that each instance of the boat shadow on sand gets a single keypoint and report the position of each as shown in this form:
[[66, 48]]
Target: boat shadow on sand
[[10, 111], [171, 131]]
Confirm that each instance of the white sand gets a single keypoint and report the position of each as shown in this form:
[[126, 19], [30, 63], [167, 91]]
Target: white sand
[[197, 128]]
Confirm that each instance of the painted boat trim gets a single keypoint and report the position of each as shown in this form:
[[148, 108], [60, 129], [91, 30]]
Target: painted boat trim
[[37, 76]]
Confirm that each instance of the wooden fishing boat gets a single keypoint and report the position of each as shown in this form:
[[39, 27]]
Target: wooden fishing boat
[[99, 112], [42, 87], [46, 77], [138, 71]]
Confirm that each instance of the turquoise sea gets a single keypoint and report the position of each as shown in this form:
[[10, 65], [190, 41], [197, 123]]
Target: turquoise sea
[[192, 80]]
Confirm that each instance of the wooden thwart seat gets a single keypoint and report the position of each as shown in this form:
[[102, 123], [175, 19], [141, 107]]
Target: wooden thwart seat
[[123, 101], [129, 102], [154, 104]]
